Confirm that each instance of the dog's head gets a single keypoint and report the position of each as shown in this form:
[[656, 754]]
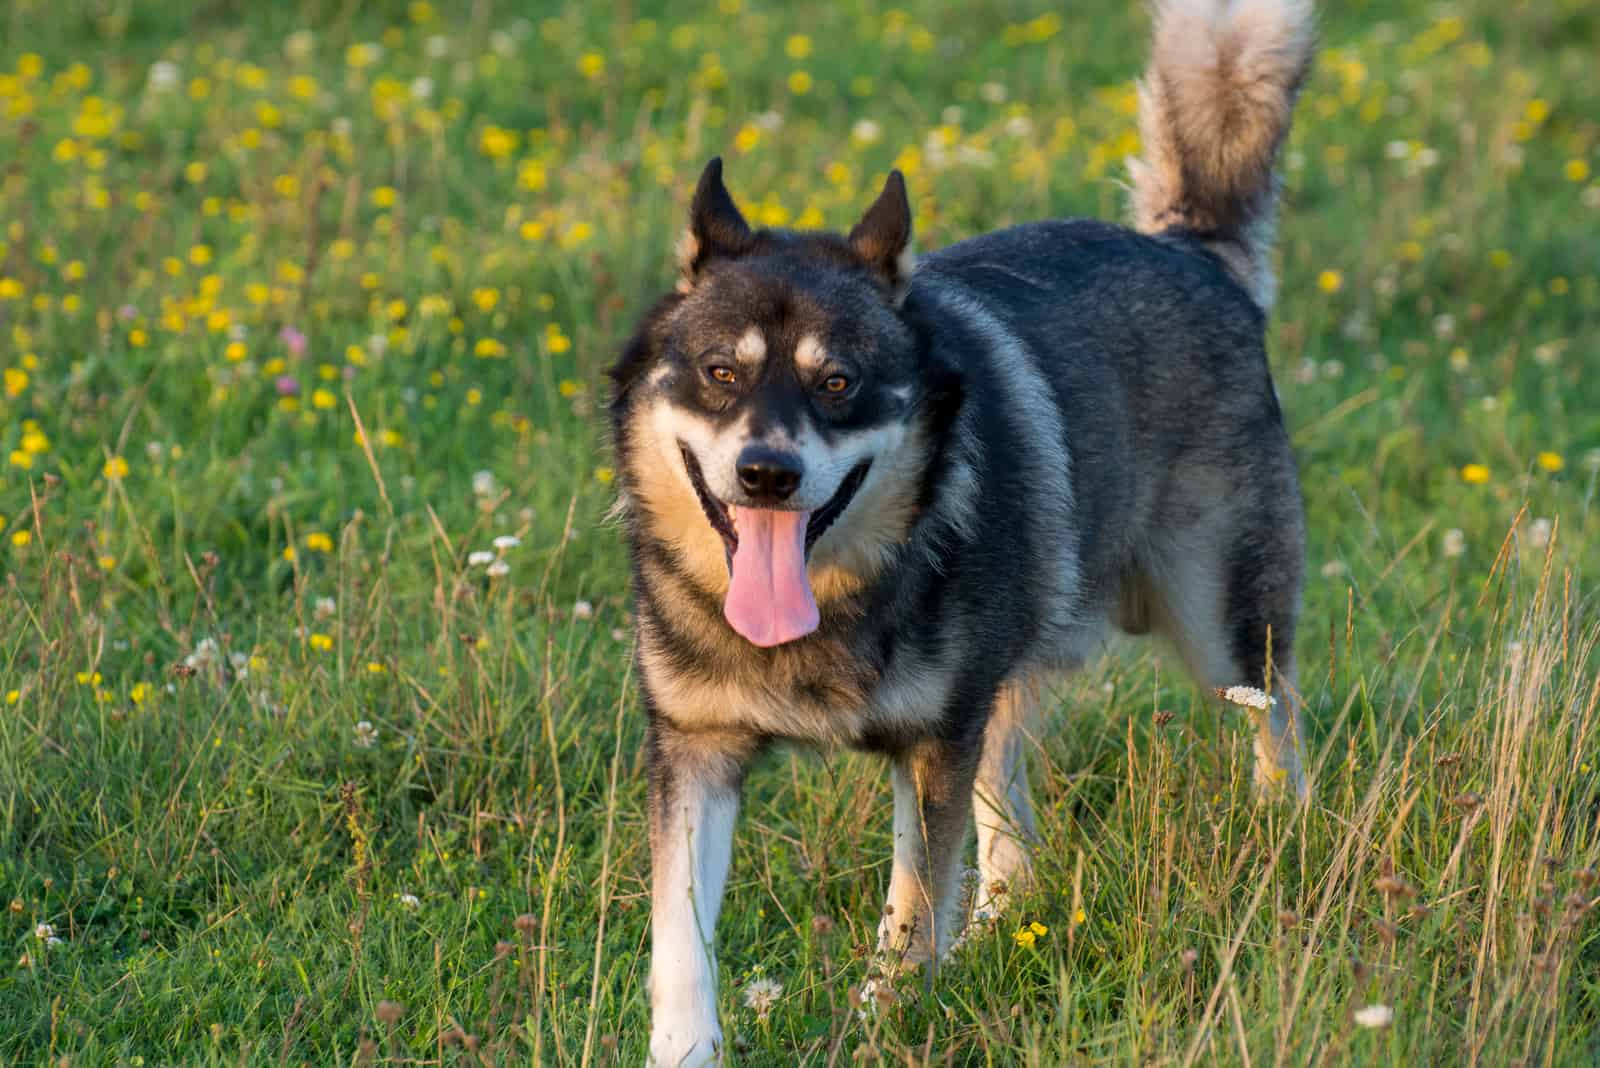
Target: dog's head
[[770, 413]]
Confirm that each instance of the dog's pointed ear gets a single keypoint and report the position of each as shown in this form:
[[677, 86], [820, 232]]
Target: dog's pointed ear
[[883, 237], [715, 226]]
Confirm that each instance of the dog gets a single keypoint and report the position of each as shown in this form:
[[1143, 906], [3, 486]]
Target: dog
[[873, 502]]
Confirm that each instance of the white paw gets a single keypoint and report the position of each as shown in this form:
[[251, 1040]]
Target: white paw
[[676, 1046]]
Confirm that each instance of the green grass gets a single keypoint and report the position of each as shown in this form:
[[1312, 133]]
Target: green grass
[[224, 862]]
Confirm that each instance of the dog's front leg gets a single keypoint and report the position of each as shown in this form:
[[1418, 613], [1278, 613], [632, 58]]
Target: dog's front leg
[[694, 797], [932, 811]]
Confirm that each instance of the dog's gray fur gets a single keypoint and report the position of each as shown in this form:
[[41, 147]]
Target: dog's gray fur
[[1057, 431]]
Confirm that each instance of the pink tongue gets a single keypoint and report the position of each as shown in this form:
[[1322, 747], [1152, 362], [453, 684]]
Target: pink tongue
[[769, 597]]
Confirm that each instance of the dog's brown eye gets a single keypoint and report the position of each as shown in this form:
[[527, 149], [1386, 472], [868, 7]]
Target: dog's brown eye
[[836, 383], [723, 375]]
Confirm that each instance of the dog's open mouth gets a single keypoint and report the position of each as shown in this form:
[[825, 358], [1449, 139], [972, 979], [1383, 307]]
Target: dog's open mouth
[[720, 515], [769, 598]]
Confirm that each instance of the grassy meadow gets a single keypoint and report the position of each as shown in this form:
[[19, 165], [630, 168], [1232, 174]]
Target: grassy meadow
[[318, 739]]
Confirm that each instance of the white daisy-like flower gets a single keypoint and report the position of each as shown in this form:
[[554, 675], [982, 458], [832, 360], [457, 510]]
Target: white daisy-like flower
[[1247, 697], [366, 734], [411, 901], [1374, 1016], [761, 994], [499, 569], [1455, 542], [480, 557], [582, 610], [44, 932], [507, 541], [1539, 532]]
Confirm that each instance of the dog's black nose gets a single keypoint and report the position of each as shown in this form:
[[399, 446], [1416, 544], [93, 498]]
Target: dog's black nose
[[768, 475]]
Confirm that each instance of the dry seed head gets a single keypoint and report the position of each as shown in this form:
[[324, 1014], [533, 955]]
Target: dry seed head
[[1586, 877], [503, 949], [1394, 886], [1467, 800], [821, 926], [1163, 718], [525, 923], [389, 1012]]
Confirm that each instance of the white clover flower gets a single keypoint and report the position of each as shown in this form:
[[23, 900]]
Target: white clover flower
[[164, 76], [1019, 126], [325, 608], [437, 46], [499, 569], [1333, 569], [366, 734], [866, 132], [582, 610], [483, 483], [507, 541], [1374, 1016], [410, 901], [206, 654], [761, 994], [1539, 532], [44, 932], [299, 44], [992, 92], [1247, 697], [479, 557], [1455, 542]]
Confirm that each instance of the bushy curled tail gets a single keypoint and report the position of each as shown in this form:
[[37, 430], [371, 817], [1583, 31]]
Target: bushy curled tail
[[1214, 109]]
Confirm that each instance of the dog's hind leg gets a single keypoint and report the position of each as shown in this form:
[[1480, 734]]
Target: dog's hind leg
[[1227, 593], [932, 811], [1002, 802]]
